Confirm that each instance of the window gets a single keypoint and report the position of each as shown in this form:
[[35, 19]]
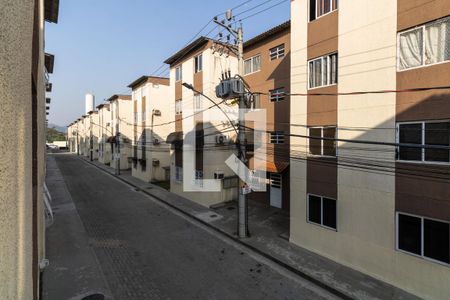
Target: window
[[178, 73], [198, 102], [322, 211], [252, 65], [319, 8], [277, 52], [256, 101], [424, 45], [144, 116], [135, 117], [323, 141], [198, 61], [277, 95], [178, 174], [420, 134], [424, 237], [178, 107], [323, 71], [277, 137]]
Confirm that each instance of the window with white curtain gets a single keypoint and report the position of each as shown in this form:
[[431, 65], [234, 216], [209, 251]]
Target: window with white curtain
[[178, 107], [323, 71], [198, 102], [252, 65], [178, 73], [424, 45]]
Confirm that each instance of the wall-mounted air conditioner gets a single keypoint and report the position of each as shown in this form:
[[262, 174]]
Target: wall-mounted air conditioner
[[221, 139], [156, 142], [219, 175]]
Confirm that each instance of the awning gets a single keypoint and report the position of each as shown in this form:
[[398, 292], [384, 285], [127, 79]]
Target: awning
[[276, 167], [111, 139], [174, 137]]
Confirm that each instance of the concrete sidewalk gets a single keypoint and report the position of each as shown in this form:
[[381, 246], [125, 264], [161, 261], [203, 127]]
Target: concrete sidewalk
[[74, 271], [270, 239]]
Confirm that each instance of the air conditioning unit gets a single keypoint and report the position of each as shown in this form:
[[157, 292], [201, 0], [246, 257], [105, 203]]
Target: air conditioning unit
[[156, 142], [155, 162], [220, 139], [219, 175]]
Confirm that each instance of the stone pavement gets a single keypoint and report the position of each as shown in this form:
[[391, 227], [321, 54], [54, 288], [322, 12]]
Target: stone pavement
[[74, 272], [269, 237], [146, 249]]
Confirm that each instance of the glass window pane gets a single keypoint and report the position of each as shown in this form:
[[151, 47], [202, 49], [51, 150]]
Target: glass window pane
[[326, 6], [329, 146], [248, 66], [314, 209], [410, 134], [436, 240], [325, 63], [315, 145], [334, 69], [256, 63], [437, 41], [329, 213], [311, 74], [437, 134], [411, 49], [409, 234], [317, 73]]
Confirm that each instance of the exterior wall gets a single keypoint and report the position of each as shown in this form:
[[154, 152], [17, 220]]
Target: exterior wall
[[94, 120], [366, 200], [105, 133], [22, 164], [273, 74], [213, 158], [155, 91]]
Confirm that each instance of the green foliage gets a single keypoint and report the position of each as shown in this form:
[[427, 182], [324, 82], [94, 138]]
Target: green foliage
[[55, 135]]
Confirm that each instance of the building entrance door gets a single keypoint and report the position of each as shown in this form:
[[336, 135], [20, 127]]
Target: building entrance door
[[275, 190]]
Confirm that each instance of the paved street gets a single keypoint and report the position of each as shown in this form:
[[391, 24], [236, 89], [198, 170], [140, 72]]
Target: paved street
[[147, 251]]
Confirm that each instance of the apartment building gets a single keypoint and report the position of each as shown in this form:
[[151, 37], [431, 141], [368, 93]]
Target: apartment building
[[267, 72], [94, 135], [356, 197], [151, 124], [199, 66], [23, 80], [72, 137], [104, 119], [120, 133]]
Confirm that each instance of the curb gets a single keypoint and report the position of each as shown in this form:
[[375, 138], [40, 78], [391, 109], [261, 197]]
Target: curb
[[290, 268]]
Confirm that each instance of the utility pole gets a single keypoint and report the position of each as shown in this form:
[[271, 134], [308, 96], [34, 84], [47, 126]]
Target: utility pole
[[238, 34], [91, 139]]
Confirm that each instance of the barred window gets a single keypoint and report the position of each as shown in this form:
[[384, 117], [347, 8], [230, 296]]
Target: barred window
[[277, 95], [277, 52], [277, 137]]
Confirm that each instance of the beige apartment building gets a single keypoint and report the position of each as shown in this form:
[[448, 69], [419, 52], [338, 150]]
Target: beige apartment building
[[94, 135], [267, 72], [23, 80], [119, 132], [151, 123], [368, 189], [201, 64], [104, 126]]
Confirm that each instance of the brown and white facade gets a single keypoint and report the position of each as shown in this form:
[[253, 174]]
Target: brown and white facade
[[201, 64], [357, 196], [152, 121], [120, 110], [267, 72]]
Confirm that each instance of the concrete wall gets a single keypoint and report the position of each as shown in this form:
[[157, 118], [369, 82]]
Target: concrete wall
[[365, 236], [16, 192]]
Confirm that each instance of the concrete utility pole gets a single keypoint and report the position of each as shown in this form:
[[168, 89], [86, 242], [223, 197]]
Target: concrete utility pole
[[238, 34], [91, 139]]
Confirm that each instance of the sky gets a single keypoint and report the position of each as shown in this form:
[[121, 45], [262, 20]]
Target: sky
[[101, 46]]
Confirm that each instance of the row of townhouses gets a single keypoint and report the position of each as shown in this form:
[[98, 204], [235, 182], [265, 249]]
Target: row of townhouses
[[356, 96]]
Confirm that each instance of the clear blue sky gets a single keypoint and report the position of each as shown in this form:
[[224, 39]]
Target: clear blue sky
[[101, 46]]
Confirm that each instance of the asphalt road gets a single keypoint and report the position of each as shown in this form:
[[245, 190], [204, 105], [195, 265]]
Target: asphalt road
[[147, 251]]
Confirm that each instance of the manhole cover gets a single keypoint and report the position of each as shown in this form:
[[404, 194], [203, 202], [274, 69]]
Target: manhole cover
[[94, 297]]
